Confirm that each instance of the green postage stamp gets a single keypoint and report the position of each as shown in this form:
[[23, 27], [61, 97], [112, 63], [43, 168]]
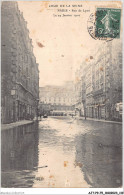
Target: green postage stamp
[[108, 23]]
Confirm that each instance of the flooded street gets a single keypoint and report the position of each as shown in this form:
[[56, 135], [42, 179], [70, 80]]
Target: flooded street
[[62, 152]]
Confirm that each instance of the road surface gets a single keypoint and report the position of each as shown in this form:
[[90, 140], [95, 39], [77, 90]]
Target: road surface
[[62, 152]]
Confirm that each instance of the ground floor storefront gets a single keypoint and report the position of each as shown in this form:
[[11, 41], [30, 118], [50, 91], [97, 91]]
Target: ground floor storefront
[[103, 112], [14, 110]]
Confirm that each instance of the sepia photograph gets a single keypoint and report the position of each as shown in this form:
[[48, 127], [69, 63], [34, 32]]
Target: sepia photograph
[[61, 94]]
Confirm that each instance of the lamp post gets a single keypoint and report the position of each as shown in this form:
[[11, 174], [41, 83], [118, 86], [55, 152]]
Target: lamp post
[[37, 103], [13, 94]]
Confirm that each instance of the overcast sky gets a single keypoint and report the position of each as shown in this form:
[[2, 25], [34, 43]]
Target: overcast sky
[[66, 41]]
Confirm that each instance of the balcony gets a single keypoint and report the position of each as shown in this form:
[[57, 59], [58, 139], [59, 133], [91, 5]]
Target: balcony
[[98, 92]]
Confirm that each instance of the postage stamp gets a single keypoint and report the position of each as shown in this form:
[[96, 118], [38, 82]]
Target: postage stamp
[[107, 23]]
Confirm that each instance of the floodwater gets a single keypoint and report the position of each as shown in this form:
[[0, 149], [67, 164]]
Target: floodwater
[[62, 152]]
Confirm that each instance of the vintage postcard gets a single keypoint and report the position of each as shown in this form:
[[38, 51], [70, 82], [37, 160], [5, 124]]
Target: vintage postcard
[[61, 94]]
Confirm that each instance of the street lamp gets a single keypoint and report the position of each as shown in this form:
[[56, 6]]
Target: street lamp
[[37, 103]]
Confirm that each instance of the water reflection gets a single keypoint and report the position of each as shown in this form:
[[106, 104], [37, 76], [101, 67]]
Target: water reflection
[[100, 155], [55, 153], [19, 155]]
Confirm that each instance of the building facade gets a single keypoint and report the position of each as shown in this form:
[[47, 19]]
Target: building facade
[[20, 74], [56, 99], [100, 78], [78, 92]]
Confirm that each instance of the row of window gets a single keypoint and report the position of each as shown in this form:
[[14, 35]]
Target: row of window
[[56, 99]]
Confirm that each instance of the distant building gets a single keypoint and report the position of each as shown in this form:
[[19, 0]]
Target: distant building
[[20, 75], [56, 98]]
